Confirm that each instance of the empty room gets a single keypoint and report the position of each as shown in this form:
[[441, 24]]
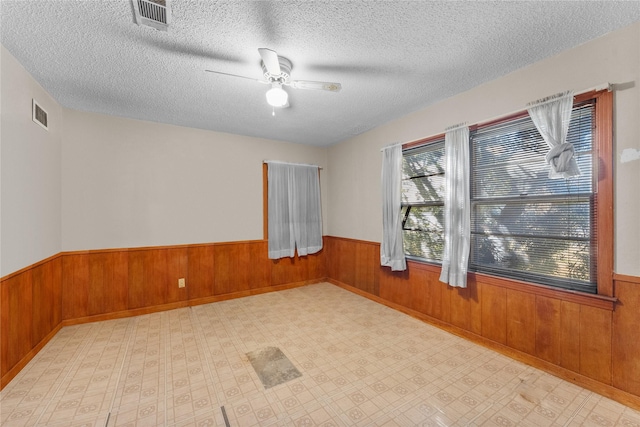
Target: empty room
[[319, 213]]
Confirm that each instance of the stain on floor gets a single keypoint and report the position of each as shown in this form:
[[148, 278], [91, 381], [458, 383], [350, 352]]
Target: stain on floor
[[272, 366]]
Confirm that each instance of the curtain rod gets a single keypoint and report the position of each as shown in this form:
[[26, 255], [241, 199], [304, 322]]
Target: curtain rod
[[549, 99], [456, 127], [288, 163], [608, 86], [390, 146]]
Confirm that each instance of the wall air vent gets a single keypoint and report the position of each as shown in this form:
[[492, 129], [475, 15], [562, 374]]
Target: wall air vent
[[152, 13], [38, 115]]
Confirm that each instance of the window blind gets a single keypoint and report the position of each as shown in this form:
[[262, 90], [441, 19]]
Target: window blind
[[423, 201], [523, 224]]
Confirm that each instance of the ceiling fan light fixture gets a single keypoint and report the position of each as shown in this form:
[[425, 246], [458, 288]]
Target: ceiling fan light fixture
[[276, 96], [277, 72]]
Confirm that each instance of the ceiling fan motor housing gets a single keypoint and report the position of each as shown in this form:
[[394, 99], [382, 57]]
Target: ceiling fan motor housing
[[285, 71]]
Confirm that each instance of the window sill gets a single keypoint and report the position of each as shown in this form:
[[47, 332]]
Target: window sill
[[592, 300]]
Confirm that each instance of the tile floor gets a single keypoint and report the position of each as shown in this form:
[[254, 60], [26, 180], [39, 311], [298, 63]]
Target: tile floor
[[362, 364]]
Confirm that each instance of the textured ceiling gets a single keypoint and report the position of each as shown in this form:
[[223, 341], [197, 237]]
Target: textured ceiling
[[391, 57]]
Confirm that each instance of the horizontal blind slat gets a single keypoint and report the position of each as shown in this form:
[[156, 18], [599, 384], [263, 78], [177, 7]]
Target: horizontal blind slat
[[523, 223]]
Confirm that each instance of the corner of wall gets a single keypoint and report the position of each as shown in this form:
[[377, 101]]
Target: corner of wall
[[30, 170]]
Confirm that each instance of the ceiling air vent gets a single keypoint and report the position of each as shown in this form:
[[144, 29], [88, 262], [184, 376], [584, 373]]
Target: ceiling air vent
[[39, 116], [152, 13]]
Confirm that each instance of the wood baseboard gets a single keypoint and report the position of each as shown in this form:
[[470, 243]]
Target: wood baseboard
[[125, 313], [15, 370], [242, 294], [606, 390], [183, 304]]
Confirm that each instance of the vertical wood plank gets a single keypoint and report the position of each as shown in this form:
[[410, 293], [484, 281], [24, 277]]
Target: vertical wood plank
[[226, 259], [240, 267], [475, 307], [329, 257], [521, 326], [169, 266], [144, 290], [395, 286], [46, 304], [200, 275], [419, 290], [317, 268], [42, 303], [16, 317], [289, 270], [625, 342], [75, 286], [137, 277], [548, 329], [346, 260], [494, 313], [176, 268], [460, 307], [153, 276], [595, 343], [367, 258], [446, 300], [570, 336], [57, 290], [433, 296], [4, 327], [259, 265], [108, 282]]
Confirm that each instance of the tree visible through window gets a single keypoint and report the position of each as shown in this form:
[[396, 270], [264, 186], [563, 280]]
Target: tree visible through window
[[524, 225], [422, 201]]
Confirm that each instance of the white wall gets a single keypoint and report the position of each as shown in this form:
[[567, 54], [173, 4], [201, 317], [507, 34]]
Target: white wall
[[354, 182], [129, 183], [30, 191], [103, 182]]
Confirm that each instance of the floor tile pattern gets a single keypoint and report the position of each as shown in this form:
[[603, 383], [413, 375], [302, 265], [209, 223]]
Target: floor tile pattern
[[362, 364]]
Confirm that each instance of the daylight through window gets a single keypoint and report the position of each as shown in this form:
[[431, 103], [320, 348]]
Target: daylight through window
[[524, 225]]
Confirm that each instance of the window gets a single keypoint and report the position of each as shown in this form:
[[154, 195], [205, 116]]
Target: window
[[524, 225], [422, 201]]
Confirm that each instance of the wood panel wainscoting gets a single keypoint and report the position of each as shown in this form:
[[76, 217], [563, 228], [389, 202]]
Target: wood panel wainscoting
[[589, 340], [85, 286], [30, 313]]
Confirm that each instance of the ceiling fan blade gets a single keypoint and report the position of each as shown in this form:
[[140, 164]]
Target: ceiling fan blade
[[236, 75], [270, 60], [306, 84]]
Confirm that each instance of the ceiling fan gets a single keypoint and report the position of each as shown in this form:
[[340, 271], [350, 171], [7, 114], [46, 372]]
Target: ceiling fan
[[277, 73]]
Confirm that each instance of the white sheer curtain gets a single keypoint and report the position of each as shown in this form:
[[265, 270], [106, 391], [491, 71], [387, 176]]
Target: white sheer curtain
[[457, 208], [392, 247], [551, 117], [295, 214]]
